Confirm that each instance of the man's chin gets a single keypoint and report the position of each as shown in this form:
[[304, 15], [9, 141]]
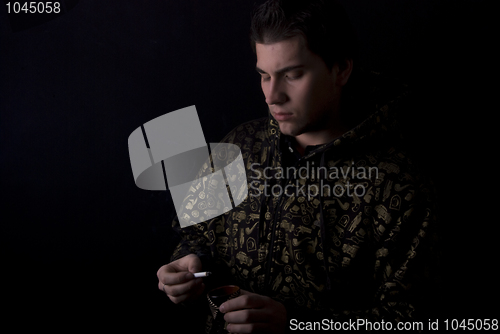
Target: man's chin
[[289, 129]]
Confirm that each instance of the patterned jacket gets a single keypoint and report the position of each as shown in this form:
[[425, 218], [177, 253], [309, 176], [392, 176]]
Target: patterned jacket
[[342, 234]]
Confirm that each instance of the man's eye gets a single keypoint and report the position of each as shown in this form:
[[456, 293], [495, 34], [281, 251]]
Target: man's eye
[[294, 76], [266, 78]]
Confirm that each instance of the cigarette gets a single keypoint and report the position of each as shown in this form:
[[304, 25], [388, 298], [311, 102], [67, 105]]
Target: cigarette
[[202, 274]]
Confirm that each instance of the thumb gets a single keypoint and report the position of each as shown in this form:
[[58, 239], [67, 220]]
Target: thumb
[[192, 263], [245, 292]]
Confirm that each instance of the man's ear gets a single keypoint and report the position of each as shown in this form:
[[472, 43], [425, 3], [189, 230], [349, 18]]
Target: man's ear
[[344, 71]]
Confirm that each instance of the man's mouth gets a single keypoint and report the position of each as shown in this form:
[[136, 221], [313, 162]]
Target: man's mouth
[[282, 116]]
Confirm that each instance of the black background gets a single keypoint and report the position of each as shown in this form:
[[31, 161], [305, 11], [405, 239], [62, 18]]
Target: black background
[[80, 242]]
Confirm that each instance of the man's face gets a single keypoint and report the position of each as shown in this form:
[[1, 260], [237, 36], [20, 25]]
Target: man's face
[[302, 93]]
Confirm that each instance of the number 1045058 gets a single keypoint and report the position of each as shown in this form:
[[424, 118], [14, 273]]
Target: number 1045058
[[33, 7]]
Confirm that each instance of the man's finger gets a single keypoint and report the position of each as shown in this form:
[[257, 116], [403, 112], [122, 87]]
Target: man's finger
[[186, 296], [245, 301], [181, 289], [192, 262], [245, 316], [169, 278], [160, 286], [189, 263]]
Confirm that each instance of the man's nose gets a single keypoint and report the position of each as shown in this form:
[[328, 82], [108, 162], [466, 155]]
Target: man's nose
[[275, 93]]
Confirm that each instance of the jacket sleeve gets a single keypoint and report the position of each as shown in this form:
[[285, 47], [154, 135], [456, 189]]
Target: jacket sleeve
[[206, 203], [207, 196], [192, 233], [406, 258]]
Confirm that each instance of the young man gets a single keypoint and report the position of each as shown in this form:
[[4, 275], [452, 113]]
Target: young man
[[334, 226]]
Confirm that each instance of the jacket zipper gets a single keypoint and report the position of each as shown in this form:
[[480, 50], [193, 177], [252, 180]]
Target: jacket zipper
[[271, 245], [268, 277]]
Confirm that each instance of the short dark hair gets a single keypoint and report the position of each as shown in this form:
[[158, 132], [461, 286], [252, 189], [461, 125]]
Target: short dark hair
[[323, 23]]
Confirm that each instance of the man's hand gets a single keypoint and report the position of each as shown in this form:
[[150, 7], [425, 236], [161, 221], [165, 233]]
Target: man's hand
[[253, 313], [177, 281]]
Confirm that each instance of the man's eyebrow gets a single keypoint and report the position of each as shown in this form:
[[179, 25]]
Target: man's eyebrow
[[280, 71]]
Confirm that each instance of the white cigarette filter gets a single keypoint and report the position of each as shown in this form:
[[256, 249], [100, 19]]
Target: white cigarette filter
[[202, 274]]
